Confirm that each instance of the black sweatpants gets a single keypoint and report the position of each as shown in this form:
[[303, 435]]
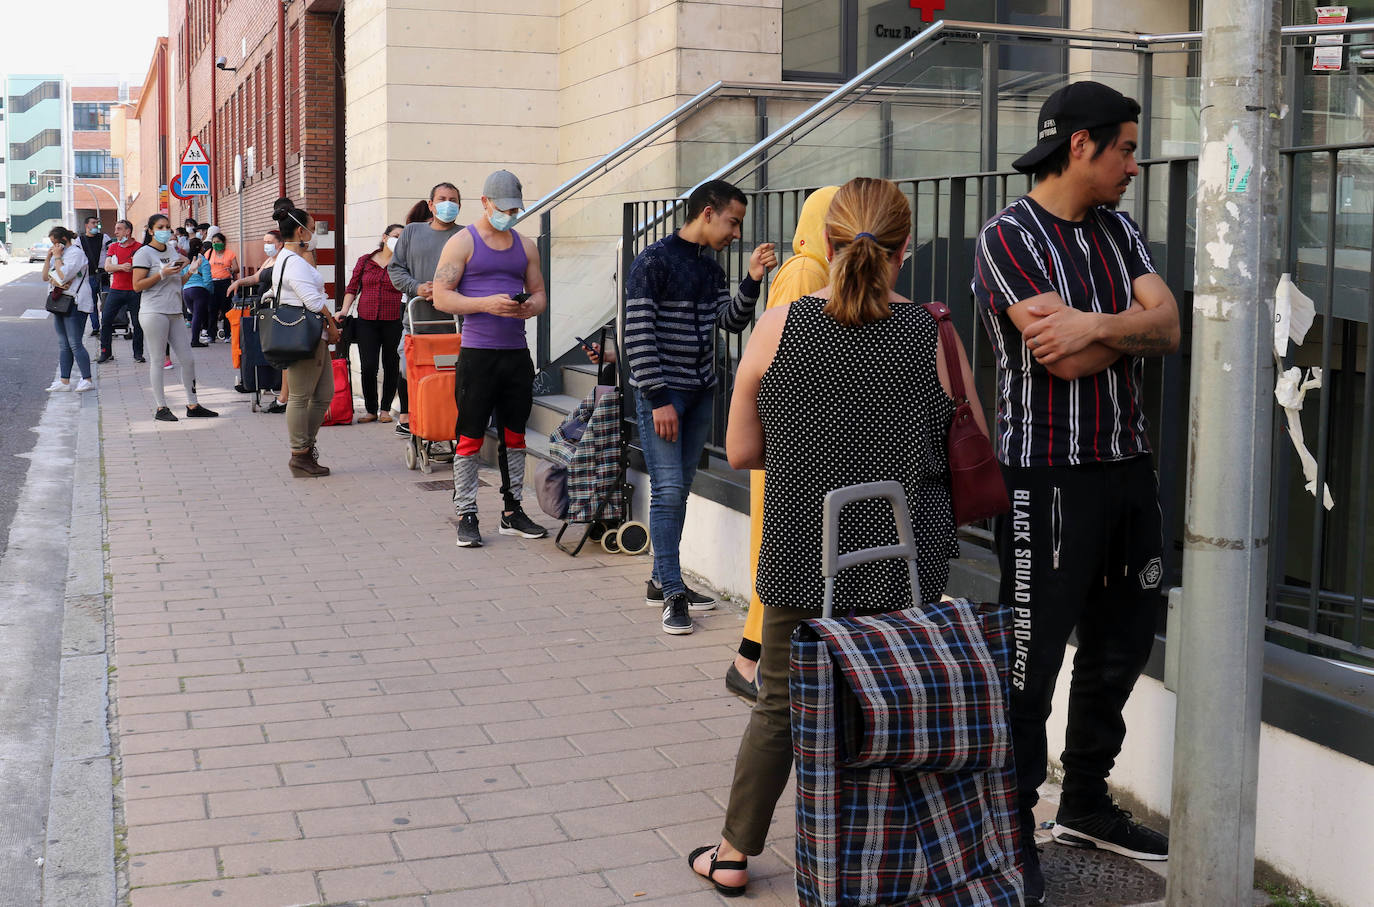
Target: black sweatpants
[[378, 340], [499, 384], [1080, 550]]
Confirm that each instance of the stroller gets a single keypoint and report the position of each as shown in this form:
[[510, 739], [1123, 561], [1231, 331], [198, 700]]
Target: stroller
[[584, 480], [906, 788], [431, 373]]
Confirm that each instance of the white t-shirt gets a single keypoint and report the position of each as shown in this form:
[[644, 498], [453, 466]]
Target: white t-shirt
[[163, 297]]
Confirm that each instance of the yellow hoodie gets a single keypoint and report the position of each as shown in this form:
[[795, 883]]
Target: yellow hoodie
[[805, 272]]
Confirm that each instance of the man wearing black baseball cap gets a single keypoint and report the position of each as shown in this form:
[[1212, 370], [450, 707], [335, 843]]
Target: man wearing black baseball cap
[[1071, 301]]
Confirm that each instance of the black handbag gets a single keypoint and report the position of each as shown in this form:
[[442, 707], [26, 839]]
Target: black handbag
[[288, 333], [59, 302]]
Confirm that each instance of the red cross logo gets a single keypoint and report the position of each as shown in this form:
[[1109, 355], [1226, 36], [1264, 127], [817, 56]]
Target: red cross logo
[[928, 8]]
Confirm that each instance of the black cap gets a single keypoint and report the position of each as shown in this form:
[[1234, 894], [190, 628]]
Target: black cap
[[1082, 105]]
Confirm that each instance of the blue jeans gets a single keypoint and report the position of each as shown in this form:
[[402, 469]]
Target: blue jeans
[[70, 328], [672, 467]]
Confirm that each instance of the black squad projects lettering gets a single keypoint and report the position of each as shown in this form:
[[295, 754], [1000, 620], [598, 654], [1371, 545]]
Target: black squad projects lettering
[[1021, 542]]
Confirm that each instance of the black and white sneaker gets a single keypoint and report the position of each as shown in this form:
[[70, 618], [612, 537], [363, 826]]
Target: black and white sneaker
[[468, 534], [1111, 828], [402, 429], [517, 522], [696, 601], [676, 620]]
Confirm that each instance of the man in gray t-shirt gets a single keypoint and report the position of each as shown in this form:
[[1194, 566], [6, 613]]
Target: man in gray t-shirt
[[417, 254]]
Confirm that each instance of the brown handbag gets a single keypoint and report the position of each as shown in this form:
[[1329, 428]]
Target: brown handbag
[[975, 478]]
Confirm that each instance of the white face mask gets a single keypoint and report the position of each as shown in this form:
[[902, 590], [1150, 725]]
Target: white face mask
[[269, 248], [310, 246], [391, 242]]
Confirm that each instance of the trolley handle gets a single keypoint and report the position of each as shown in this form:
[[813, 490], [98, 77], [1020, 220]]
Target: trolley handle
[[832, 562]]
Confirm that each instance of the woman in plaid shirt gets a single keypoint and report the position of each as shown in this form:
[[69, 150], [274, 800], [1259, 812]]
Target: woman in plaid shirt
[[374, 303]]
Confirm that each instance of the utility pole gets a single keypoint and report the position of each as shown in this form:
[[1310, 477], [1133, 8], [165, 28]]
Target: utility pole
[[1226, 532]]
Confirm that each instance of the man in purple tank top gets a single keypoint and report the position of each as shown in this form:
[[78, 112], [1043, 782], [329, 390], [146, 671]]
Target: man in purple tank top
[[483, 273]]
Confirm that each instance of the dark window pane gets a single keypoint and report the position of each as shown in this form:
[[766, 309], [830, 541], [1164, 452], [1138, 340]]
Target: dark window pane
[[811, 36]]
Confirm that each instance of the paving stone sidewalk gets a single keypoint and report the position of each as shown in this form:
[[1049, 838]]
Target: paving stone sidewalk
[[320, 699]]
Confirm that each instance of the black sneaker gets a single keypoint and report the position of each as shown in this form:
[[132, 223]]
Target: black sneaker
[[140, 359], [468, 534], [104, 358], [1111, 828], [517, 522], [696, 601], [200, 412], [402, 429], [276, 407], [1032, 878], [676, 620], [165, 415]]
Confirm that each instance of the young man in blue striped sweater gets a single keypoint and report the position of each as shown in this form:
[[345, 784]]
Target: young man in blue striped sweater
[[676, 295]]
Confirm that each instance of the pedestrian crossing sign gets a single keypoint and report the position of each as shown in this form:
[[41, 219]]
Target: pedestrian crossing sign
[[195, 179]]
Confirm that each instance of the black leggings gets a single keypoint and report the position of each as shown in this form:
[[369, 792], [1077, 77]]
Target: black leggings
[[1080, 552], [374, 339]]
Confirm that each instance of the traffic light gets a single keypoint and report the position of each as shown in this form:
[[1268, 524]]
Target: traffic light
[[33, 177], [52, 186]]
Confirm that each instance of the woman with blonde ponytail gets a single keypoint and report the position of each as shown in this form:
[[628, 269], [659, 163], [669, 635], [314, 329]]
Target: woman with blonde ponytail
[[841, 387]]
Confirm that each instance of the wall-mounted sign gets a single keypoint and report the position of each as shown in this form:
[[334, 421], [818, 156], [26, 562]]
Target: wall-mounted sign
[[1329, 54]]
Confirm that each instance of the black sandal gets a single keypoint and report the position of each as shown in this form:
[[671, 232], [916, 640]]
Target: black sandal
[[729, 891]]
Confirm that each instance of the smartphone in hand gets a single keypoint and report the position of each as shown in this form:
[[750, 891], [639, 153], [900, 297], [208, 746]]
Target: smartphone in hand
[[520, 298]]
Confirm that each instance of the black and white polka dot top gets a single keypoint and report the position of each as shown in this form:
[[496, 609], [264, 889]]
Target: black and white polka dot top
[[842, 405]]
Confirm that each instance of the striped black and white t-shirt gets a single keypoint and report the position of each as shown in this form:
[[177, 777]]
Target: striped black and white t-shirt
[[1042, 420], [675, 295]]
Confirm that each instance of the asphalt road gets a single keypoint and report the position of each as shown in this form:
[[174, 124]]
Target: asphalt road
[[28, 362]]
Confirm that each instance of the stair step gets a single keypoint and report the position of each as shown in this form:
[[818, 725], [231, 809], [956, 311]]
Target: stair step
[[578, 380], [549, 412]]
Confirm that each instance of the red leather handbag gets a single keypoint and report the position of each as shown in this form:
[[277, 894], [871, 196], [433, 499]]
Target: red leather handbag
[[975, 478]]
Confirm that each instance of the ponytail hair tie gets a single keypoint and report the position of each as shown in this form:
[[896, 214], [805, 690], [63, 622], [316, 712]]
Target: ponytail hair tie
[[862, 235]]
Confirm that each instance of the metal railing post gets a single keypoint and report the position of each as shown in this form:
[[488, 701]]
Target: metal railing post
[[987, 158], [544, 322], [1226, 530]]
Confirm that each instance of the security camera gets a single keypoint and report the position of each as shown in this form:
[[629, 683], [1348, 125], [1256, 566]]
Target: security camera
[[222, 63]]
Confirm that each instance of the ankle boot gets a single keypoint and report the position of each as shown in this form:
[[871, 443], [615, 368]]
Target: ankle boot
[[302, 465]]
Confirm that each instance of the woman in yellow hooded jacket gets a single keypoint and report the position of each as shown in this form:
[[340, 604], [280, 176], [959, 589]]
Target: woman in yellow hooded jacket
[[805, 272]]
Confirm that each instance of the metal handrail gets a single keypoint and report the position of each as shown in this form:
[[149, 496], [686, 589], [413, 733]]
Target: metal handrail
[[651, 133], [956, 28]]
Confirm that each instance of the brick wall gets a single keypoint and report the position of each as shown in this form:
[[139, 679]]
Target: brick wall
[[248, 115]]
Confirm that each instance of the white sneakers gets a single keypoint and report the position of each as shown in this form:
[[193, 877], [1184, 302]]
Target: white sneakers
[[82, 386]]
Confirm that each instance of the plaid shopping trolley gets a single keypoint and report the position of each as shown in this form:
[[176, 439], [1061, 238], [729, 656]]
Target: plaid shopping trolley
[[905, 781]]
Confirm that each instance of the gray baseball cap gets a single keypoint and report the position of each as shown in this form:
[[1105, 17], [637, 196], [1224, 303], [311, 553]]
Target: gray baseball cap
[[504, 190]]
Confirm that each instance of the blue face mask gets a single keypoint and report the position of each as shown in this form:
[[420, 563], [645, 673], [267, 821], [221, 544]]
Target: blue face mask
[[500, 220], [162, 236], [446, 211]]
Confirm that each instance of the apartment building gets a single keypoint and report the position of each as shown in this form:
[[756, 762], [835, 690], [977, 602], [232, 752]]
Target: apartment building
[[36, 122]]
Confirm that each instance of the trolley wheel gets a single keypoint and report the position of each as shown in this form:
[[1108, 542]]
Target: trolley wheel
[[426, 463], [595, 531], [610, 541], [410, 454], [633, 538], [255, 406]]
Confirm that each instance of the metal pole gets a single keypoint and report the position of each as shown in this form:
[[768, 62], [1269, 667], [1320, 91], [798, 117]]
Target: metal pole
[[1226, 532]]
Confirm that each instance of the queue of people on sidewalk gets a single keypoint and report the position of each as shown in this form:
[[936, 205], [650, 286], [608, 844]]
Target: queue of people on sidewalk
[[843, 381]]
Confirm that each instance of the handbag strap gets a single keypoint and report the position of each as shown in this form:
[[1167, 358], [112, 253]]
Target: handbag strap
[[940, 312]]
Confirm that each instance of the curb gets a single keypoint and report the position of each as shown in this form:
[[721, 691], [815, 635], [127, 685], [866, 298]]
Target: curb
[[79, 853]]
